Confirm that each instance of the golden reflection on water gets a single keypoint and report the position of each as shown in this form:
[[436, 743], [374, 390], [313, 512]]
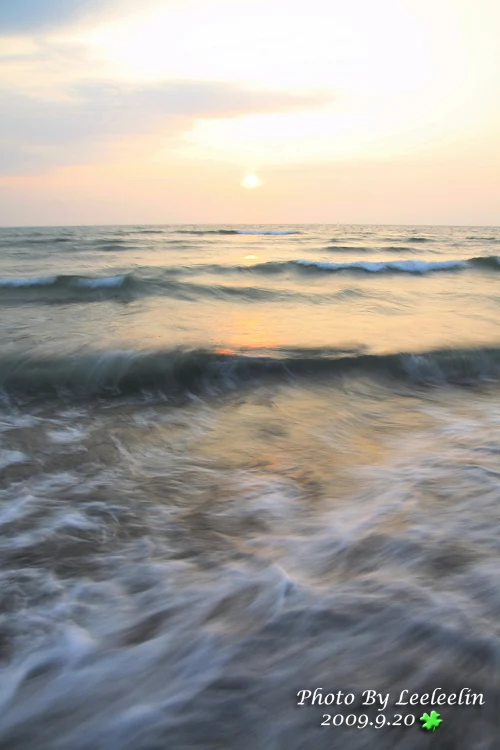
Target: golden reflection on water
[[446, 316], [313, 429], [249, 330]]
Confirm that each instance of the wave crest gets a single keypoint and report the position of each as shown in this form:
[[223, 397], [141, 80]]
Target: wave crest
[[176, 373], [61, 288]]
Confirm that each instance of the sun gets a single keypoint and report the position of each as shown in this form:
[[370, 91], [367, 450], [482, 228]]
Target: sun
[[251, 181]]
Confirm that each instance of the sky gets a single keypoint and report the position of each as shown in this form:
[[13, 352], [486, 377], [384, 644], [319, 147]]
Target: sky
[[249, 111]]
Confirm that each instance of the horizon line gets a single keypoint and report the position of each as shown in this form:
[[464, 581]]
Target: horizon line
[[243, 224]]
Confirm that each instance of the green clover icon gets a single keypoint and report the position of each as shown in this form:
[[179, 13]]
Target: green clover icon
[[431, 722]]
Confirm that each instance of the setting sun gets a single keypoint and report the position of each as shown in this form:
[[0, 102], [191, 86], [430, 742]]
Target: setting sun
[[251, 181]]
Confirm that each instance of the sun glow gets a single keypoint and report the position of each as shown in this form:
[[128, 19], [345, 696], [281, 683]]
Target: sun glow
[[395, 80], [182, 109], [251, 181], [323, 45]]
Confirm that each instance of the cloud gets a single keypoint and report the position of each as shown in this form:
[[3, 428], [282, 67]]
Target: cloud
[[38, 133]]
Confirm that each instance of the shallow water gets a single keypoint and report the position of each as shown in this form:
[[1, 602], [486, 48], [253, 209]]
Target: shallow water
[[211, 504]]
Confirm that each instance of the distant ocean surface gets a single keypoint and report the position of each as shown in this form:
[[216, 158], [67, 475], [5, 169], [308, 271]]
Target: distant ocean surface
[[240, 462]]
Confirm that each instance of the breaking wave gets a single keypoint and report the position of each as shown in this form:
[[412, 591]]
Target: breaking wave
[[77, 282], [126, 287], [176, 373], [61, 287], [402, 266], [76, 288]]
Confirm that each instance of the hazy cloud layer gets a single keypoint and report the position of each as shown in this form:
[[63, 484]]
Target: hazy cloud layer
[[35, 133]]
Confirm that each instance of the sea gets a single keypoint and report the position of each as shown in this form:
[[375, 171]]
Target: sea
[[250, 488]]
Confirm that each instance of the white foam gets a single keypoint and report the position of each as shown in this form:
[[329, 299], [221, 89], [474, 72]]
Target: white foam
[[29, 281], [16, 510], [409, 266], [73, 520], [69, 435], [107, 281], [136, 639], [7, 458], [15, 421]]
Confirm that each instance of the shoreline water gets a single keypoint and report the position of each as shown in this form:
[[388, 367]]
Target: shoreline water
[[190, 538]]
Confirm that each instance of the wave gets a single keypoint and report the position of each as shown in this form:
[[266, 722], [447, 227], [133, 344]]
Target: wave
[[61, 287], [486, 261], [352, 237], [403, 266], [175, 374], [399, 249], [76, 288], [146, 231], [270, 231], [78, 244], [112, 246], [484, 239], [419, 239], [363, 249], [186, 290], [76, 282], [349, 249], [28, 281], [236, 231], [67, 289], [28, 241], [191, 291]]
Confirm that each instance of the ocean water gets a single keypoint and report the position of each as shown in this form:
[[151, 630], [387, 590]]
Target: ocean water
[[238, 463]]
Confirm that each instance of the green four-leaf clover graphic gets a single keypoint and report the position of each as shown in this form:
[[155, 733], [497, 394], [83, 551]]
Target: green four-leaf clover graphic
[[431, 722]]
